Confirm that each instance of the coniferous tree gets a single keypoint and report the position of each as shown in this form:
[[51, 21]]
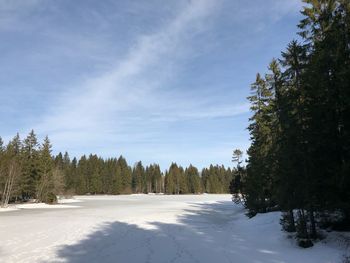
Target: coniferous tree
[[258, 182], [172, 180], [126, 175], [194, 181], [30, 169], [44, 184], [299, 156], [41, 176], [237, 181], [138, 174]]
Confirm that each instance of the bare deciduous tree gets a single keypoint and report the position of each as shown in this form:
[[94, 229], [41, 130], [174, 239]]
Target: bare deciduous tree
[[12, 173]]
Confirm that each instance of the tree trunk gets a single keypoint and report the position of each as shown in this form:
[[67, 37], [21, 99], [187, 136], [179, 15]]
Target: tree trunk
[[291, 220], [9, 184], [303, 227], [4, 194], [313, 232]]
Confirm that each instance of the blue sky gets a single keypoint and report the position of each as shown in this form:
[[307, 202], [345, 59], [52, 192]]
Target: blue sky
[[157, 81]]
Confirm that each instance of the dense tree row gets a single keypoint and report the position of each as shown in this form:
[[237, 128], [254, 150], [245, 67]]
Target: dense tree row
[[28, 170], [215, 179], [299, 159]]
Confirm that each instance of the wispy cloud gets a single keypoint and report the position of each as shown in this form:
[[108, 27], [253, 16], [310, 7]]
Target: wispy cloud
[[152, 81], [131, 90]]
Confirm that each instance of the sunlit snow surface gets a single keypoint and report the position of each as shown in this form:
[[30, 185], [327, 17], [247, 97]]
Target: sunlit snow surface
[[14, 207], [151, 228]]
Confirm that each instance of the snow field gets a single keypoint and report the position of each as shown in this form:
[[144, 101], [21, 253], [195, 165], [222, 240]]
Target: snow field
[[14, 207], [152, 228]]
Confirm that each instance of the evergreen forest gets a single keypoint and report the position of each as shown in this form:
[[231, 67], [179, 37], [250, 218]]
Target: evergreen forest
[[299, 158], [28, 170]]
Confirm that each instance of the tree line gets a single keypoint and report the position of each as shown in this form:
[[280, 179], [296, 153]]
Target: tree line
[[28, 170], [299, 158]]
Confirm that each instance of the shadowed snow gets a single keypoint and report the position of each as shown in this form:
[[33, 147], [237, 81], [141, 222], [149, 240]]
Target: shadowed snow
[[151, 228]]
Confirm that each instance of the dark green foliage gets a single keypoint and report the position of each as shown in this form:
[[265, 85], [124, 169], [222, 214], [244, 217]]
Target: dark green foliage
[[238, 180], [171, 180], [194, 181], [288, 222], [216, 179], [45, 182], [126, 173], [36, 174], [138, 178], [299, 158], [305, 243], [51, 198], [30, 174], [237, 185]]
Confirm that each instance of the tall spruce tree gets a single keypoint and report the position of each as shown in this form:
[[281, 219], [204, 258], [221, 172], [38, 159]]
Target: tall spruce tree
[[30, 169], [259, 178], [45, 183]]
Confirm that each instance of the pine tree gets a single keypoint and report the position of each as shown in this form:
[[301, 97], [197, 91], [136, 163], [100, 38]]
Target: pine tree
[[30, 169], [194, 182], [236, 183], [138, 174], [126, 176], [259, 180], [94, 175], [45, 183], [81, 176], [172, 180]]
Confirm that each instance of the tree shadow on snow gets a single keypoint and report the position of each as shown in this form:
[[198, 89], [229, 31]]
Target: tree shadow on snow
[[199, 236]]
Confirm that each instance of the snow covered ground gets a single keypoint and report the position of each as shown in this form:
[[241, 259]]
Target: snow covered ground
[[151, 228], [14, 207]]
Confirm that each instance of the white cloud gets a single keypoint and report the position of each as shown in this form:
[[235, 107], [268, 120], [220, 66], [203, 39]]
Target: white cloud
[[109, 104]]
